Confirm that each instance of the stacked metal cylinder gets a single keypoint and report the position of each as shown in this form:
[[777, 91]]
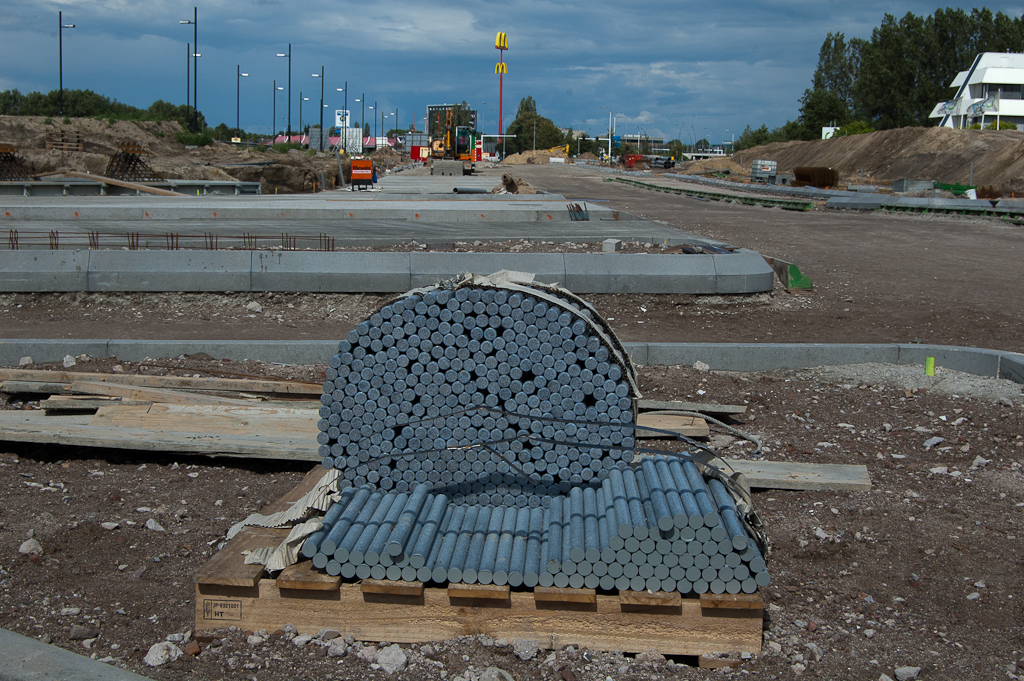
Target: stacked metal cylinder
[[488, 395], [660, 527]]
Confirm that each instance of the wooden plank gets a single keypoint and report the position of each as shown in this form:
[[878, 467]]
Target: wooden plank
[[485, 591], [35, 426], [732, 601], [121, 183], [554, 594], [690, 426], [702, 407], [661, 599], [235, 421], [149, 394], [392, 588], [304, 576], [803, 476], [692, 631], [32, 388], [708, 662], [251, 385], [228, 568]]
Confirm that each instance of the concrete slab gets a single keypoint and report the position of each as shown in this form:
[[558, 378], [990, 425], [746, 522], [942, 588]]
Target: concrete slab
[[1011, 367], [27, 659], [769, 356], [170, 271], [38, 270], [49, 349], [429, 268], [640, 273], [284, 352], [858, 202], [742, 272], [719, 356], [335, 272], [968, 360]]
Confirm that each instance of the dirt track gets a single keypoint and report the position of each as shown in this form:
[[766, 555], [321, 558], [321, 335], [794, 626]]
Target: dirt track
[[920, 571]]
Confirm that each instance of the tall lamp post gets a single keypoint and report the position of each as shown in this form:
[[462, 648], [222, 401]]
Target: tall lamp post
[[301, 100], [238, 91], [374, 107], [320, 141], [288, 130], [273, 127], [611, 131], [60, 56], [362, 115], [195, 65], [344, 138]]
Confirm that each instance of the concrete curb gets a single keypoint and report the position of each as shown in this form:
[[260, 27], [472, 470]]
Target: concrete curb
[[27, 659], [359, 272], [719, 356]]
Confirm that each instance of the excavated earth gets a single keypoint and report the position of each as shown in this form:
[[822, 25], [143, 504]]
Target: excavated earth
[[923, 570]]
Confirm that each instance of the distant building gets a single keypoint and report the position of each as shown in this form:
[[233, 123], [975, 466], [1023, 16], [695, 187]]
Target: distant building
[[988, 92]]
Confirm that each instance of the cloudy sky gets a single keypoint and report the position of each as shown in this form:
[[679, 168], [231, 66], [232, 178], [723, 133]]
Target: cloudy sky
[[663, 67]]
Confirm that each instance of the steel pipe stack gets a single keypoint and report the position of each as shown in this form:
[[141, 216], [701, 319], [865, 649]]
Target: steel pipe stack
[[485, 434], [661, 526], [491, 396]]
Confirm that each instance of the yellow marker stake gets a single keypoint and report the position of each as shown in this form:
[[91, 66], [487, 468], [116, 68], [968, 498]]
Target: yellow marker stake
[[929, 366]]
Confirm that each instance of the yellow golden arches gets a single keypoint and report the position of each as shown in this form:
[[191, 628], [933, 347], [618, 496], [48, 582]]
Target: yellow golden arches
[[501, 42], [501, 67]]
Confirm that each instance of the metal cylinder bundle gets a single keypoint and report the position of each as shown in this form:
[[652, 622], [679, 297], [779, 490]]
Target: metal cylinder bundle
[[661, 526], [492, 396]]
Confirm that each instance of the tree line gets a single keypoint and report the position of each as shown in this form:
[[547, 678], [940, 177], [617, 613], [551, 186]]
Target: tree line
[[895, 78], [89, 104]]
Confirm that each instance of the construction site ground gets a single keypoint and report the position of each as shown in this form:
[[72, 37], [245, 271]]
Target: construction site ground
[[922, 571]]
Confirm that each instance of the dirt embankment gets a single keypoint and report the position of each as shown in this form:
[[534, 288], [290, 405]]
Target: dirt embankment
[[292, 172], [997, 157]]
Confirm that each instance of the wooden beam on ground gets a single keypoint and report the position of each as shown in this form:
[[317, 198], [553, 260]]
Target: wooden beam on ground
[[702, 407], [121, 183], [36, 426], [151, 394], [690, 426], [803, 476], [249, 385]]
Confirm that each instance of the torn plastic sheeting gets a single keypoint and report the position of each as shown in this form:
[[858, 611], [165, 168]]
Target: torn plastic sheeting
[[318, 499]]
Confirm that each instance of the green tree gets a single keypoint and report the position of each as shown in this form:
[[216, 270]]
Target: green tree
[[531, 130], [751, 138]]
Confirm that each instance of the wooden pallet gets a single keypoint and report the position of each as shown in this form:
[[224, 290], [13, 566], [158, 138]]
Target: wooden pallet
[[64, 141], [230, 593]]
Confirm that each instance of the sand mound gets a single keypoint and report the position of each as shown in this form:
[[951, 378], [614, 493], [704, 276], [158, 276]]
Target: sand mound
[[916, 153], [537, 157]]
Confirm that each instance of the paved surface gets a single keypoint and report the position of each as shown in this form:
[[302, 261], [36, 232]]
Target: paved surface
[[26, 659], [409, 206]]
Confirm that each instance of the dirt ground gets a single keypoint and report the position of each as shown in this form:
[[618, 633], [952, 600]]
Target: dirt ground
[[921, 571], [980, 157]]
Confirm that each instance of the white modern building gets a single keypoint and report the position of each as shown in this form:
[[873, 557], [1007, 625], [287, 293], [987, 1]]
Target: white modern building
[[988, 92]]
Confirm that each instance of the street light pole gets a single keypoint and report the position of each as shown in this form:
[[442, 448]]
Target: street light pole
[[375, 124], [301, 99], [238, 91], [362, 117], [288, 130], [195, 66], [344, 143], [273, 127], [320, 141], [60, 57]]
